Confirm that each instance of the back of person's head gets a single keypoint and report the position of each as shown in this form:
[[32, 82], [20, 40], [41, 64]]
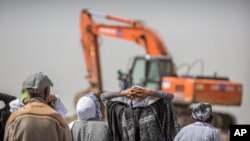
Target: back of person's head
[[202, 112], [85, 108], [38, 85]]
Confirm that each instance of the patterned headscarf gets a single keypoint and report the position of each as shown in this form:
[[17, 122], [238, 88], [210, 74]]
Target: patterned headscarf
[[98, 112], [202, 111]]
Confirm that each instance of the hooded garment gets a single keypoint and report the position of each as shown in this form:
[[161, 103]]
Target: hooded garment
[[155, 122], [85, 109], [97, 105], [88, 127]]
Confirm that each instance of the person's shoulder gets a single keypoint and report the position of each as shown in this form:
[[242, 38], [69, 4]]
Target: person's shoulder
[[100, 124], [18, 113], [189, 126], [118, 101], [205, 124], [45, 111], [97, 122]]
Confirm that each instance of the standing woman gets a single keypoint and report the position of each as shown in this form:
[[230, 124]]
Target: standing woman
[[89, 126]]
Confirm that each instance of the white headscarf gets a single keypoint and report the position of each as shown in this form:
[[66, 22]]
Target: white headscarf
[[60, 107], [15, 104], [85, 108], [97, 105]]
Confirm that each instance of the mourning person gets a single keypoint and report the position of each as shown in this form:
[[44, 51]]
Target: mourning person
[[89, 126], [140, 114], [202, 129], [36, 120]]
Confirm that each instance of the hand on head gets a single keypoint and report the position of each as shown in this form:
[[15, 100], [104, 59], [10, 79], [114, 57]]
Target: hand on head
[[136, 92]]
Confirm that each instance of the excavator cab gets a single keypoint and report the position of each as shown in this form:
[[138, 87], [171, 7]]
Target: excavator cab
[[148, 71]]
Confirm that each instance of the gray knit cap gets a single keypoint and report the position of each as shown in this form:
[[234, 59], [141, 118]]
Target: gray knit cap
[[202, 111], [37, 81]]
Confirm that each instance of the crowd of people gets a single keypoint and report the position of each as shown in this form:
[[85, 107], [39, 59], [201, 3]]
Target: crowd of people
[[134, 114]]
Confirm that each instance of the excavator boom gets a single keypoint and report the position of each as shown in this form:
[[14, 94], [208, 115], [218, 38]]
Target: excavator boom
[[132, 31]]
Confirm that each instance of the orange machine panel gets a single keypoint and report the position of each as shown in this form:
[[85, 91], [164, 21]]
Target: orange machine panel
[[182, 88], [191, 90], [218, 92]]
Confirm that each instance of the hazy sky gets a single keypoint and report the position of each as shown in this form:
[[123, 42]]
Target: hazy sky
[[44, 36]]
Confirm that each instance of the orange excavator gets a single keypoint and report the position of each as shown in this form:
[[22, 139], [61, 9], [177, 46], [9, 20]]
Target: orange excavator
[[156, 70]]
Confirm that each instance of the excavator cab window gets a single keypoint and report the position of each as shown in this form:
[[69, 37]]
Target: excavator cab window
[[149, 72], [138, 72]]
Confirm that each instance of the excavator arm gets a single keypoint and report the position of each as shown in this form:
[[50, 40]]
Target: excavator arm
[[159, 72], [133, 31]]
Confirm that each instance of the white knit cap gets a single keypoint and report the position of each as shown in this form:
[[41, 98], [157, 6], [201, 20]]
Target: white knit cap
[[85, 108]]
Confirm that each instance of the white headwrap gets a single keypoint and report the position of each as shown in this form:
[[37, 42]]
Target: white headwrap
[[15, 104], [60, 107], [85, 108]]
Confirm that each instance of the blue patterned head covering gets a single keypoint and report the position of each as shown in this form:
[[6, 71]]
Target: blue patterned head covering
[[202, 111], [98, 112]]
